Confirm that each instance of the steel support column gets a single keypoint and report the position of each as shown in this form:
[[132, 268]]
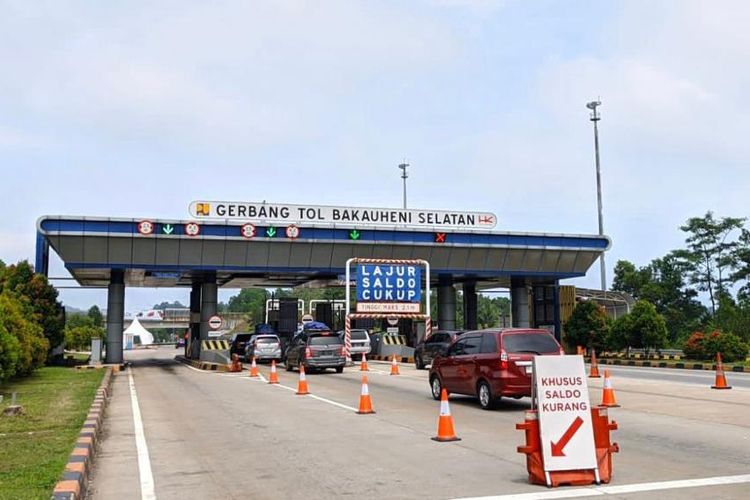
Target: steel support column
[[519, 303], [115, 316], [209, 299], [470, 306], [195, 320], [446, 306]]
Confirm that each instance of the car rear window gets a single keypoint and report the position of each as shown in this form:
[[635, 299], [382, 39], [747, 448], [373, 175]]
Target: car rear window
[[323, 340], [243, 337], [358, 335], [267, 340], [534, 343]]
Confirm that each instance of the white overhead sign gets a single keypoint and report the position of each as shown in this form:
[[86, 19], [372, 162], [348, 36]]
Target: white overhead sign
[[388, 307], [315, 214], [565, 425]]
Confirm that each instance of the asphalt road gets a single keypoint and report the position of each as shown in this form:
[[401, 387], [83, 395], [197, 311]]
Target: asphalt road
[[211, 435]]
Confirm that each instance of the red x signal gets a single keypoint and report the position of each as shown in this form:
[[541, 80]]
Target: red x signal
[[439, 237]]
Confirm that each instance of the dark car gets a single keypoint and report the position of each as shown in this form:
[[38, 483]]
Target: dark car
[[491, 364], [316, 350], [428, 349], [238, 342]]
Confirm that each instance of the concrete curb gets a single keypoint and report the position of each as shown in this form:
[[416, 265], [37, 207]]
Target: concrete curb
[[664, 364], [202, 365], [72, 485], [400, 359]]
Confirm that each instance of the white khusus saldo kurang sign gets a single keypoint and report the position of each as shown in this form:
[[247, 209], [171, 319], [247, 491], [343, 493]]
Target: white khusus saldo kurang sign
[[565, 425], [360, 216]]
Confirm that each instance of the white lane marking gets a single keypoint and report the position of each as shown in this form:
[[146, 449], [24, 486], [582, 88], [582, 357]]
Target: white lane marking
[[625, 488], [144, 462], [313, 396]]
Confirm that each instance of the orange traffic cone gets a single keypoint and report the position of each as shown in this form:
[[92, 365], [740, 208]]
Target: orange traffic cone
[[394, 366], [365, 403], [363, 366], [445, 421], [253, 369], [608, 394], [721, 379], [274, 378], [594, 366], [302, 386]]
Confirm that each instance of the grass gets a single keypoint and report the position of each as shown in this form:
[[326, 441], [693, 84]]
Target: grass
[[34, 447]]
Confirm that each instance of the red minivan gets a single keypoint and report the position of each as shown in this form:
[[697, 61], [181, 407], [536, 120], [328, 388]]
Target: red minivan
[[491, 363]]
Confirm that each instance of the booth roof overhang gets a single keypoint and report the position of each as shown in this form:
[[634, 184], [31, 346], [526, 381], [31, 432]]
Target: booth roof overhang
[[173, 255]]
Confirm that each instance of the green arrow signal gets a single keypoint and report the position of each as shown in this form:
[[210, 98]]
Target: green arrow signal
[[271, 232], [167, 228], [354, 234]]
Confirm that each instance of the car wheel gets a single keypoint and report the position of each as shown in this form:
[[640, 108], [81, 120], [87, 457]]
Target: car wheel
[[418, 362], [339, 369], [436, 387], [484, 393]]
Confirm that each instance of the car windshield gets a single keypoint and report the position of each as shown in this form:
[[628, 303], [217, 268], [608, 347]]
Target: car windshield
[[534, 343], [324, 340], [267, 340], [359, 335]]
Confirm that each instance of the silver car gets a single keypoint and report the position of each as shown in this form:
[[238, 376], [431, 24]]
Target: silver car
[[360, 343], [265, 347]]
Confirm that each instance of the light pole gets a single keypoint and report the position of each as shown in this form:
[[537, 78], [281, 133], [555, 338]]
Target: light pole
[[595, 118], [404, 175]]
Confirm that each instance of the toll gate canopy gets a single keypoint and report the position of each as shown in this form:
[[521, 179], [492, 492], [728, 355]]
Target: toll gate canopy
[[206, 254]]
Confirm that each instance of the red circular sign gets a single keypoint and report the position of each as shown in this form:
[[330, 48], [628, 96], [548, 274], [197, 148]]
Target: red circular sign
[[192, 229], [247, 231], [215, 322], [292, 232], [146, 227]]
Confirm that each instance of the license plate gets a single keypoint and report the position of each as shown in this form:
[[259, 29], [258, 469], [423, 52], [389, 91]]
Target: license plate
[[528, 370]]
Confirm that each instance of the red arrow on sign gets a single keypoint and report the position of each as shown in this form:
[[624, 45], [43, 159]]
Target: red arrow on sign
[[557, 448]]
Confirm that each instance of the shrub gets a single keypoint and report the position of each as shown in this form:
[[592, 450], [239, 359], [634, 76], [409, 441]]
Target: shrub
[[694, 347], [32, 345], [79, 337], [728, 344], [587, 326]]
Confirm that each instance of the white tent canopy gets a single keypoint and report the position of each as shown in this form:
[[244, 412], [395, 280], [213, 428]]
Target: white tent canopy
[[136, 329]]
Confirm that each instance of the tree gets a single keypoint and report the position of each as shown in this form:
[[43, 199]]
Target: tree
[[618, 337], [79, 337], [169, 305], [96, 316], [709, 253], [17, 320], [251, 301], [40, 295], [647, 327], [662, 282], [587, 326], [740, 258]]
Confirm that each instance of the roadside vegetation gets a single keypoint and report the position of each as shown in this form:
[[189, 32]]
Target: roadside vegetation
[[715, 264], [35, 446]]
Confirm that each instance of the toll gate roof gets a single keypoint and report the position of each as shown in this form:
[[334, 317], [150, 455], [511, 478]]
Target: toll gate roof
[[157, 253]]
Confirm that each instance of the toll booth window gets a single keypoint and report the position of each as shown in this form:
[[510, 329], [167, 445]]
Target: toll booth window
[[538, 343]]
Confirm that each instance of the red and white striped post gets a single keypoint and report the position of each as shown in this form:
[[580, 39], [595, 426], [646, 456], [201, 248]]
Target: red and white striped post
[[348, 340]]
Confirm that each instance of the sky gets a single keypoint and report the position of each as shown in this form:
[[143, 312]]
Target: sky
[[134, 109]]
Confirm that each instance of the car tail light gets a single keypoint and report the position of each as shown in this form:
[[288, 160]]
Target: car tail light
[[341, 351], [503, 360], [562, 351], [308, 352]]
